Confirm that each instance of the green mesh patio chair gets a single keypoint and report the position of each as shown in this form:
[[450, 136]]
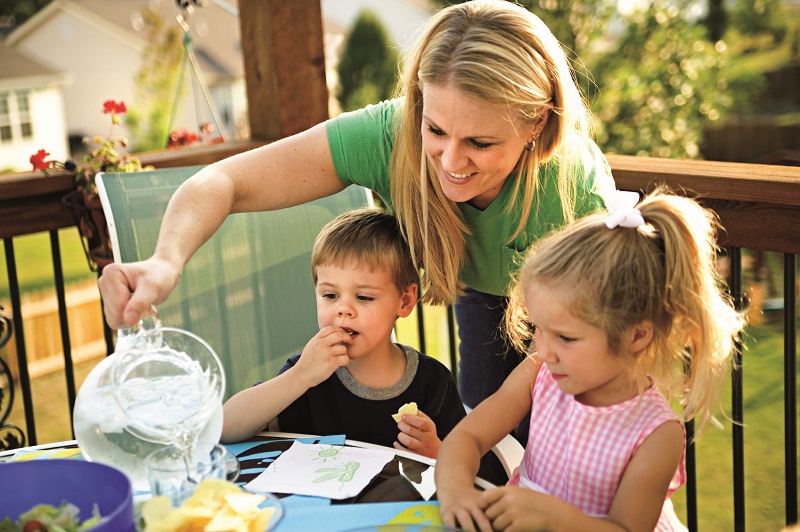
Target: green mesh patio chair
[[248, 290]]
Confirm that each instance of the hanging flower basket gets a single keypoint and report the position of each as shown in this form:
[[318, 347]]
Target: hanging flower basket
[[92, 227]]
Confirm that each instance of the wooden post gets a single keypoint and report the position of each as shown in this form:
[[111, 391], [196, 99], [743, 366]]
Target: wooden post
[[284, 64]]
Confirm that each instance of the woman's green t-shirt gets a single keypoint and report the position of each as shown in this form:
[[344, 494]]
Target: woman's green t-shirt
[[361, 145]]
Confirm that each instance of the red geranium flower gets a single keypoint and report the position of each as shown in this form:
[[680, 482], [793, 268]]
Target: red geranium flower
[[112, 107], [103, 157], [182, 137], [38, 160]]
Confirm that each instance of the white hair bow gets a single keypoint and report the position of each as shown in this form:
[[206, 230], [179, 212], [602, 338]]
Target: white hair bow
[[623, 213]]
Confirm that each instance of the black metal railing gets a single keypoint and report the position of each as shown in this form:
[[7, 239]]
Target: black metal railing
[[790, 384], [11, 435]]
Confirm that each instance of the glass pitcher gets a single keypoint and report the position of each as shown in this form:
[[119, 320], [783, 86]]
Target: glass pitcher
[[162, 386]]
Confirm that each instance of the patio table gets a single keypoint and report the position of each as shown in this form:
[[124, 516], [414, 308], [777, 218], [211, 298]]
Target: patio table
[[403, 492]]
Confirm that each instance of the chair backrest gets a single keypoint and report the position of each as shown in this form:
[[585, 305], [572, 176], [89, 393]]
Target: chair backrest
[[248, 290]]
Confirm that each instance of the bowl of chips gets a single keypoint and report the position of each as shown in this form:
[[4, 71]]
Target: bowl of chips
[[216, 505]]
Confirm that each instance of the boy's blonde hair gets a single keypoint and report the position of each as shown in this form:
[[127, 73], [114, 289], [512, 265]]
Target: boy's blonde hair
[[502, 55], [369, 237], [663, 272]]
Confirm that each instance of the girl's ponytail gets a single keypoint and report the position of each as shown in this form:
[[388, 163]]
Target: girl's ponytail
[[705, 324]]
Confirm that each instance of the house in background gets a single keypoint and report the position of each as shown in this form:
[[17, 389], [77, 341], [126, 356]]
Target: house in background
[[100, 43], [96, 47], [32, 112]]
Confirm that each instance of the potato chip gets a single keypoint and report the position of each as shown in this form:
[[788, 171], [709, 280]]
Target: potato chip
[[226, 523], [244, 503], [215, 506], [156, 509], [259, 524], [408, 408]]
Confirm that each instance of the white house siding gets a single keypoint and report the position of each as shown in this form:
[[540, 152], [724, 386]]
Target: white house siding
[[239, 110], [101, 54], [49, 126], [104, 59], [104, 67]]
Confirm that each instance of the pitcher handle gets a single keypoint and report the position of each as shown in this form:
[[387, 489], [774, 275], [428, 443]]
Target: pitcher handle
[[148, 329]]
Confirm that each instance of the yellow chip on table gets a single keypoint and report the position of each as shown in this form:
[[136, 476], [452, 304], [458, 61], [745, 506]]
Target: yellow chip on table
[[408, 408], [215, 506]]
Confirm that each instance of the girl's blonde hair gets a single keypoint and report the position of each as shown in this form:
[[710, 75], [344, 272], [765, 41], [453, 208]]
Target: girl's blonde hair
[[369, 237], [503, 55], [663, 272]]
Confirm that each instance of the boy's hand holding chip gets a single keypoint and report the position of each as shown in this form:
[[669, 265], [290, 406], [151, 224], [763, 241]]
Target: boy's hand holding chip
[[417, 431], [408, 408]]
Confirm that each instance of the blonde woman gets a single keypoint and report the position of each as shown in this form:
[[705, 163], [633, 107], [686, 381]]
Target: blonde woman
[[484, 151]]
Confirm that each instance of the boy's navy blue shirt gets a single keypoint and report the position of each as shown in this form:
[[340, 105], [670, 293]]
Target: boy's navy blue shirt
[[341, 405]]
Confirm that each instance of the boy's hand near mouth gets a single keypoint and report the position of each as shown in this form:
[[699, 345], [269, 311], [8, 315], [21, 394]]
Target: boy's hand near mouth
[[325, 352]]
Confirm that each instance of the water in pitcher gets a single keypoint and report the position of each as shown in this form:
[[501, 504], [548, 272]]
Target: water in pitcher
[[105, 435], [165, 387]]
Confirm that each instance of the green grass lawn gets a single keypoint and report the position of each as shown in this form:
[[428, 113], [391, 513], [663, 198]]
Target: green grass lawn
[[35, 263], [762, 369]]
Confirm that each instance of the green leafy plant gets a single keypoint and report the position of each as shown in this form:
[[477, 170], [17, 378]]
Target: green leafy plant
[[104, 155]]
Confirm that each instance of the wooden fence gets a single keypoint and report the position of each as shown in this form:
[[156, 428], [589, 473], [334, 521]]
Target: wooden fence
[[43, 332]]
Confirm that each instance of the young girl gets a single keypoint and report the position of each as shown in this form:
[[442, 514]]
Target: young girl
[[623, 309]]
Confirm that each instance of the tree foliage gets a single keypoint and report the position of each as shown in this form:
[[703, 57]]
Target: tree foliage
[[577, 25], [653, 79], [156, 83], [716, 20], [367, 69], [755, 17], [15, 12], [661, 86]]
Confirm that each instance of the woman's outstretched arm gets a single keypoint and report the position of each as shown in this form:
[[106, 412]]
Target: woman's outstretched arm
[[288, 172]]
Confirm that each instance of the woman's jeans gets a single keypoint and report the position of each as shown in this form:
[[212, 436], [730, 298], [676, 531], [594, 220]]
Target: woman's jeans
[[486, 358]]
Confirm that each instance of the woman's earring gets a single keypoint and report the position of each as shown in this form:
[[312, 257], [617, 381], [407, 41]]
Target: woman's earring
[[531, 145]]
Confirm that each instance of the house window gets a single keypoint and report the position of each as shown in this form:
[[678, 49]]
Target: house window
[[24, 109], [5, 118], [15, 116]]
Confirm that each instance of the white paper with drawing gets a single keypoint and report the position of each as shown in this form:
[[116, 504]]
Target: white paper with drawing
[[331, 471]]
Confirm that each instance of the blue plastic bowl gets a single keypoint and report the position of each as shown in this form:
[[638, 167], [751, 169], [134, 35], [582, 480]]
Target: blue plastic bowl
[[84, 484]]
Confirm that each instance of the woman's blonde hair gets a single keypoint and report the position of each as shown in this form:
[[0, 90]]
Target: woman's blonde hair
[[503, 55], [663, 272], [369, 237]]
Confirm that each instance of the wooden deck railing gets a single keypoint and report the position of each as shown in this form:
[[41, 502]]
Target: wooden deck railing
[[758, 205]]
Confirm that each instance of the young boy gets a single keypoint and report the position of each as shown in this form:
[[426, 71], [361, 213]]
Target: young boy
[[351, 378]]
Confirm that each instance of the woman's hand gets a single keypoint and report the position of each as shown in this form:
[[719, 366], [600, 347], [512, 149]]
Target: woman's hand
[[460, 506], [418, 434], [129, 290]]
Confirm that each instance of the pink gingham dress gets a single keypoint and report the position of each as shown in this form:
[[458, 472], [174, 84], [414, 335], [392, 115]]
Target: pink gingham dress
[[578, 453]]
